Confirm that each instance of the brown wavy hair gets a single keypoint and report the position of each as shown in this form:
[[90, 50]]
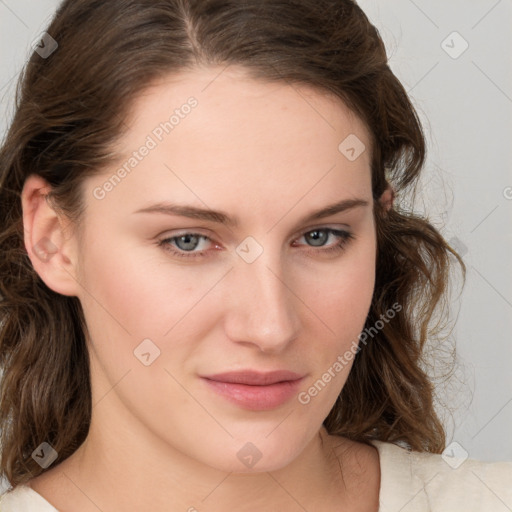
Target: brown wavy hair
[[69, 112]]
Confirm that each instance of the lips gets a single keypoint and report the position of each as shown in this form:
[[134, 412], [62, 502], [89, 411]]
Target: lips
[[254, 378], [254, 390]]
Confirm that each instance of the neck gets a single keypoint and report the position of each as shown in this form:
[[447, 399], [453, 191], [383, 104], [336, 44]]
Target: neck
[[114, 470]]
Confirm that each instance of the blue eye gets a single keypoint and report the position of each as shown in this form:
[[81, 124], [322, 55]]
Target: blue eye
[[319, 236], [184, 245], [188, 242]]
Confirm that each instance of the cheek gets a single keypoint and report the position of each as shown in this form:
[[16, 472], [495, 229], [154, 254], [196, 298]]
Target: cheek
[[133, 287], [341, 299], [342, 303], [341, 292]]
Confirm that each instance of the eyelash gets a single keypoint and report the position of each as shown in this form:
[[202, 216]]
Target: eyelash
[[344, 236]]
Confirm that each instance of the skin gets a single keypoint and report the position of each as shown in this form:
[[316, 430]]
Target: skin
[[267, 154]]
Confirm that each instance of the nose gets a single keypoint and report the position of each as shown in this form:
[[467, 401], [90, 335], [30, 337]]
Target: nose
[[262, 307]]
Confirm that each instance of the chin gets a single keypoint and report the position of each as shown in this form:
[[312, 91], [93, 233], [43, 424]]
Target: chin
[[255, 454]]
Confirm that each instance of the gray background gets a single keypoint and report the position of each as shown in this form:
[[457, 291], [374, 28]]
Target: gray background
[[465, 102]]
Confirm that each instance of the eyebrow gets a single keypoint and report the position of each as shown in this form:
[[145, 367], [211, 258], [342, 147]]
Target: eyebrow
[[220, 217]]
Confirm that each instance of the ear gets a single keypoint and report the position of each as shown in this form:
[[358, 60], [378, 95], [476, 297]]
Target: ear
[[51, 249], [387, 197]]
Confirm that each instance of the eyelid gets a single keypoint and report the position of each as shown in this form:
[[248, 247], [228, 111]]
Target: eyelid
[[336, 227]]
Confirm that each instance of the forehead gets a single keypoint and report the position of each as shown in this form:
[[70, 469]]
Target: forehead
[[228, 99], [216, 135]]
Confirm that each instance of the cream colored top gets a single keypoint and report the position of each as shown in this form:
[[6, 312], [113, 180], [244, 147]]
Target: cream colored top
[[410, 482]]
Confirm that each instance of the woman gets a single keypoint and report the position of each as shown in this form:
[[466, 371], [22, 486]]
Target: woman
[[210, 299]]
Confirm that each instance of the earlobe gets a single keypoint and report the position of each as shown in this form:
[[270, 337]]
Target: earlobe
[[50, 249], [387, 198]]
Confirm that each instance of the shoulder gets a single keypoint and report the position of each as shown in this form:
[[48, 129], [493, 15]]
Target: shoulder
[[24, 499], [424, 481]]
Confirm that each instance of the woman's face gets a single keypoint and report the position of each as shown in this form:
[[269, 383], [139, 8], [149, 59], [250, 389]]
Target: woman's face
[[262, 287]]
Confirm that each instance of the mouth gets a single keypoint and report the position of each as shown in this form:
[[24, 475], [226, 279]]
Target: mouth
[[253, 390]]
